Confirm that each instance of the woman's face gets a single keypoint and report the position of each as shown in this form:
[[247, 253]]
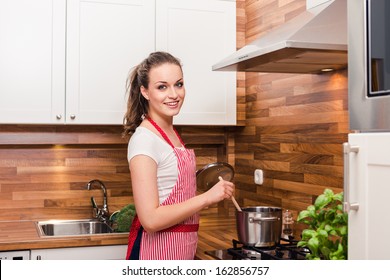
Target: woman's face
[[165, 91]]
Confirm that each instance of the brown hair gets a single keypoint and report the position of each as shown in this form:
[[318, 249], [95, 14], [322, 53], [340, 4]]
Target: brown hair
[[137, 105]]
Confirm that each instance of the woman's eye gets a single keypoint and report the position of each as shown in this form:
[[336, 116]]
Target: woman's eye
[[162, 87], [180, 84]]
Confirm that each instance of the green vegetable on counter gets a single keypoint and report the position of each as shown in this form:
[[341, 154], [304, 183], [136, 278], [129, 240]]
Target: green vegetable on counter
[[123, 219]]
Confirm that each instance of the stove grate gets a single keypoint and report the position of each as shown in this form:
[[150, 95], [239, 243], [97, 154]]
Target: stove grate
[[287, 251]]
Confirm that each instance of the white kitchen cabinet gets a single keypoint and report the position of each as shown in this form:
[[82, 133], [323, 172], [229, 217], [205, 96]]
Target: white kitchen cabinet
[[105, 39], [200, 33], [368, 193], [111, 252], [67, 61], [32, 60]]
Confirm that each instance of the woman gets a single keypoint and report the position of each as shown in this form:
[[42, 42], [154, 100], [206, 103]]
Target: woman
[[162, 169]]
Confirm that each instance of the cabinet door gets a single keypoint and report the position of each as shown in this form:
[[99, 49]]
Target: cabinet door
[[32, 61], [369, 187], [200, 33], [105, 39], [114, 252]]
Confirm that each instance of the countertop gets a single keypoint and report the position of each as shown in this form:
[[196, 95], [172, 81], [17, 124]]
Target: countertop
[[215, 232], [23, 235]]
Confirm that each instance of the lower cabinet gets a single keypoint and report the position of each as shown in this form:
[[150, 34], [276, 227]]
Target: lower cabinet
[[112, 252]]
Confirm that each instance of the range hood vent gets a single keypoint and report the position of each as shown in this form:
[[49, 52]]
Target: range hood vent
[[312, 42]]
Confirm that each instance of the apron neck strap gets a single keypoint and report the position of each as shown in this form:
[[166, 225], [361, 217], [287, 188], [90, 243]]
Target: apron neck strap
[[163, 134]]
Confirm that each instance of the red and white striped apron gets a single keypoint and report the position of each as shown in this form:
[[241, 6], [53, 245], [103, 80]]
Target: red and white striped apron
[[178, 242]]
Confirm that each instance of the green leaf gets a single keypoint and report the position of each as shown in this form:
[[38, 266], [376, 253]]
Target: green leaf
[[308, 233], [345, 219], [322, 233], [313, 245], [328, 228], [311, 209], [303, 215], [325, 252], [321, 201], [312, 257], [338, 254], [339, 197], [344, 230], [328, 192]]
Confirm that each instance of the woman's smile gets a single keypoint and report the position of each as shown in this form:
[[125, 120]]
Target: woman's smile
[[172, 104]]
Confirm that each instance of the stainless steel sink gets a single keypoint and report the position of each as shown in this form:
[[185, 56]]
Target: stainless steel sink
[[72, 227]]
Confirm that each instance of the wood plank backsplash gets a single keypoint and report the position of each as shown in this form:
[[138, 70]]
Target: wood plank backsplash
[[44, 169]]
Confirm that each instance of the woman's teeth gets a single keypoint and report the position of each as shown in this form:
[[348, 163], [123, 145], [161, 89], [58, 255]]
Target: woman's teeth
[[172, 103]]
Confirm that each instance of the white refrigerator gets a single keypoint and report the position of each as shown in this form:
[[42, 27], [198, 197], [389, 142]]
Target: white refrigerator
[[367, 195], [367, 153]]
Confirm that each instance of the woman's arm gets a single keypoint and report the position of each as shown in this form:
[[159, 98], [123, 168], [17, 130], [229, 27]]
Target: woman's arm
[[154, 217]]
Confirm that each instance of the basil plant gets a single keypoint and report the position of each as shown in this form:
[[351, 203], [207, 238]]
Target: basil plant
[[327, 234]]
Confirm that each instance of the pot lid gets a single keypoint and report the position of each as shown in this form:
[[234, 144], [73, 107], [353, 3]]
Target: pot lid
[[207, 176]]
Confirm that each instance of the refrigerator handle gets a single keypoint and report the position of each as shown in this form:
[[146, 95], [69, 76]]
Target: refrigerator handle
[[347, 205]]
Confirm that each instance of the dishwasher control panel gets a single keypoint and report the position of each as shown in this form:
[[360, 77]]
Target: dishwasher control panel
[[15, 255]]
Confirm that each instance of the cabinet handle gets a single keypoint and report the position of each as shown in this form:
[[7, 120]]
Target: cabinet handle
[[347, 205], [72, 117], [39, 257], [59, 117]]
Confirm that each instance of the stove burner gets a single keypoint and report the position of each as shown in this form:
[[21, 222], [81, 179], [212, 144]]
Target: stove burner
[[251, 254], [288, 251]]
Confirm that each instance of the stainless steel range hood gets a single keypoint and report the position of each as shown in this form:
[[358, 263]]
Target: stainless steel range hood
[[312, 42]]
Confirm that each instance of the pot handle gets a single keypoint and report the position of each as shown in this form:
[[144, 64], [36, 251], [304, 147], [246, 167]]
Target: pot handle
[[263, 219]]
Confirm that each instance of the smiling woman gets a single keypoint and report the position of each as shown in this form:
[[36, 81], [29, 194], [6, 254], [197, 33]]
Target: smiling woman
[[162, 169]]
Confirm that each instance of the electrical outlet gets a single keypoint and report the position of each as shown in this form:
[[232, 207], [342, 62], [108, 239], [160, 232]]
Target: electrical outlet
[[259, 177]]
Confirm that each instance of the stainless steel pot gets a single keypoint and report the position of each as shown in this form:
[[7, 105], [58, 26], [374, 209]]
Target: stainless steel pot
[[259, 226]]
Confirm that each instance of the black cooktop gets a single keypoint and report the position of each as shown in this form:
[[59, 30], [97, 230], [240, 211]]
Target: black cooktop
[[285, 250]]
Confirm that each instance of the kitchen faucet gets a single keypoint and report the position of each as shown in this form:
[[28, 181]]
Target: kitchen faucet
[[100, 213]]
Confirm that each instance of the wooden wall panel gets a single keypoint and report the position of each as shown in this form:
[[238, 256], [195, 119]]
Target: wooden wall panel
[[295, 124], [44, 169], [240, 38]]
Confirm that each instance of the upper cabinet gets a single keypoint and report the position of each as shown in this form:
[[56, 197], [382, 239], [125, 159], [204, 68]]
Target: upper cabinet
[[200, 33], [32, 60], [105, 39], [67, 61]]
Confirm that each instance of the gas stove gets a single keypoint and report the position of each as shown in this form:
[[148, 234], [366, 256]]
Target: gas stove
[[285, 250]]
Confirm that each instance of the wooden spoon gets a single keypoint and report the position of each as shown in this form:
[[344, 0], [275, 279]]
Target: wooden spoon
[[233, 199], [236, 204]]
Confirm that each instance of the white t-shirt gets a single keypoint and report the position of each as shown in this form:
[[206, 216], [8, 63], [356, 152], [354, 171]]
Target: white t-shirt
[[145, 142]]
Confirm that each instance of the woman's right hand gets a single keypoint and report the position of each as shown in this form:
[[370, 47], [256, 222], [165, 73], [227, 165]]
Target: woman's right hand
[[220, 191]]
